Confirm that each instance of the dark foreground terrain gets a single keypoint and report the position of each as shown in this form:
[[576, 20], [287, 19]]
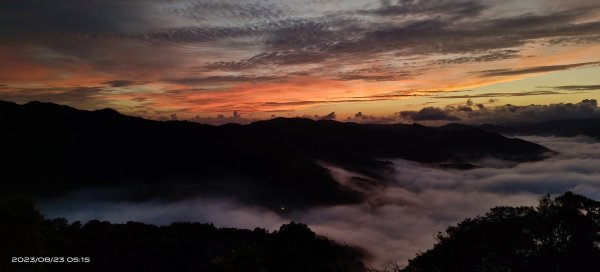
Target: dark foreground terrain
[[49, 149], [560, 234], [24, 232], [560, 128]]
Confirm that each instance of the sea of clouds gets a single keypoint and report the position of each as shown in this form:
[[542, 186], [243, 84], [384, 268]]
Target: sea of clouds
[[397, 220]]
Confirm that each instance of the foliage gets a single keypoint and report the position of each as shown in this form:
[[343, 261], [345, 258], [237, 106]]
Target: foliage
[[561, 234], [177, 247]]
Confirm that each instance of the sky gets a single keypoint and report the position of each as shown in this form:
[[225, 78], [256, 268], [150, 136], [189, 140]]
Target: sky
[[357, 59]]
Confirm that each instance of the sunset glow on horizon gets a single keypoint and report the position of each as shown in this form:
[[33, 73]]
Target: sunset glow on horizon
[[200, 59]]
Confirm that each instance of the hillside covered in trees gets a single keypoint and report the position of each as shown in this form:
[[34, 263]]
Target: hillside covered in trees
[[560, 234], [24, 232]]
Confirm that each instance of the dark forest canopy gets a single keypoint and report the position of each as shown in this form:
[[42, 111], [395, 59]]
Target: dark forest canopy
[[560, 234], [133, 246]]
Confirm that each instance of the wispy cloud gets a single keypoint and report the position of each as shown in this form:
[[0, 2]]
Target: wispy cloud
[[221, 79], [515, 94], [493, 55], [537, 69], [457, 9], [577, 87], [121, 83]]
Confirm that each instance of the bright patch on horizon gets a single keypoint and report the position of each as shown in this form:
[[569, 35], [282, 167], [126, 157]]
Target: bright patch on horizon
[[294, 57]]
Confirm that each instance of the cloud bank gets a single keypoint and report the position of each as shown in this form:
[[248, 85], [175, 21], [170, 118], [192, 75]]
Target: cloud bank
[[402, 213], [474, 113]]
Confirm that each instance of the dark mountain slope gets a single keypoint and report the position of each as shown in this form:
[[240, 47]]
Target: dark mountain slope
[[49, 148], [562, 128]]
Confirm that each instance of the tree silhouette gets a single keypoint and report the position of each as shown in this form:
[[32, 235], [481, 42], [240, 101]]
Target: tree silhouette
[[294, 248], [560, 234], [177, 247], [21, 232]]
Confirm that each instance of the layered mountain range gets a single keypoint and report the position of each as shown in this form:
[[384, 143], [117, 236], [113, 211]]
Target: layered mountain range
[[50, 149]]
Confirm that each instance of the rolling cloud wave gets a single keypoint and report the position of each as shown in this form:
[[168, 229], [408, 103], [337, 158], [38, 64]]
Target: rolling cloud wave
[[400, 217]]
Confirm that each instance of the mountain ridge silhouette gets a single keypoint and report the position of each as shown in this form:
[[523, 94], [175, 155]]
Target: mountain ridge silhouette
[[52, 149]]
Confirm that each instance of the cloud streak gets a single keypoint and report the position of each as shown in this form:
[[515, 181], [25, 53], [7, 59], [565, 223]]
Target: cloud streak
[[538, 69], [514, 94], [577, 87]]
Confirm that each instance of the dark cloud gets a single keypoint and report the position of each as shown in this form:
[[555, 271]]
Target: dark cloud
[[221, 79], [377, 74], [329, 116], [428, 7], [487, 57], [193, 34], [340, 34], [574, 41], [121, 83], [372, 119], [204, 11], [509, 114], [139, 99], [577, 88], [221, 119], [429, 114], [359, 117], [397, 77], [393, 95], [492, 95], [283, 37], [72, 16], [436, 35], [464, 108], [376, 97], [314, 102], [271, 58], [297, 103], [299, 34], [321, 39], [537, 69]]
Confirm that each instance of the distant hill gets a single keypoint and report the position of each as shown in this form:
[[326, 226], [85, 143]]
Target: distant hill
[[561, 128], [50, 149]]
